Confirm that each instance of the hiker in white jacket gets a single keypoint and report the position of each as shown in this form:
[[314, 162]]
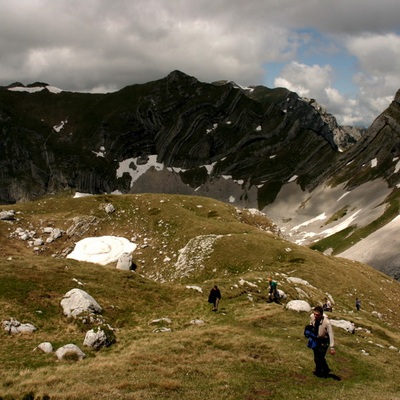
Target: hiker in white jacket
[[323, 330]]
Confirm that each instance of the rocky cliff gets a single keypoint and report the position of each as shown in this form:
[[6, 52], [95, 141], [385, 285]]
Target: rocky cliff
[[261, 137]]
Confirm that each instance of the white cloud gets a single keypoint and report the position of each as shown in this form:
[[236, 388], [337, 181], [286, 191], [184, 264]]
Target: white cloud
[[96, 45], [304, 79]]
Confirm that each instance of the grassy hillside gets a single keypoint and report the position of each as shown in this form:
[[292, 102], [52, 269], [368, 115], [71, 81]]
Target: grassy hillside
[[249, 349]]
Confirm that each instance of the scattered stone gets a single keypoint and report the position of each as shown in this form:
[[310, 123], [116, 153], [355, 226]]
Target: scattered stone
[[243, 282], [197, 322], [301, 292], [7, 215], [70, 352], [46, 347], [13, 326], [109, 208], [377, 314], [157, 321], [80, 225], [292, 279], [162, 329], [198, 288], [78, 282], [38, 242], [54, 234]]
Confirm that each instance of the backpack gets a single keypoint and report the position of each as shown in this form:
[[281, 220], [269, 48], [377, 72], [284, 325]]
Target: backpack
[[311, 336]]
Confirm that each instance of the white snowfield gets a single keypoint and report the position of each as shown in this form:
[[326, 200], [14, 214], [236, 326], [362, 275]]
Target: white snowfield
[[35, 89], [101, 250]]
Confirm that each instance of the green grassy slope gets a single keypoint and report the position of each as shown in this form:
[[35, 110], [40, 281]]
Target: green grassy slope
[[250, 349]]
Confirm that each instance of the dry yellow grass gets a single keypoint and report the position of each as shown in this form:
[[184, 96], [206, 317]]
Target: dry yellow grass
[[248, 350]]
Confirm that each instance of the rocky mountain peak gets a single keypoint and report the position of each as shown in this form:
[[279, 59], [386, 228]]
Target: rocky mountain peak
[[179, 76], [343, 136]]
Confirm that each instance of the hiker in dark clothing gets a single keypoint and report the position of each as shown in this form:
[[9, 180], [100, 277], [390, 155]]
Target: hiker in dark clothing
[[214, 297]]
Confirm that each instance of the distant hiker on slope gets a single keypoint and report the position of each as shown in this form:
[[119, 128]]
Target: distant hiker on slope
[[327, 306], [273, 294], [214, 297]]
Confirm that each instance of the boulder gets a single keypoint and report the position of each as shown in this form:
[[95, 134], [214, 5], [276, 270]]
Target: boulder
[[298, 305], [125, 262], [77, 301], [70, 352], [98, 338]]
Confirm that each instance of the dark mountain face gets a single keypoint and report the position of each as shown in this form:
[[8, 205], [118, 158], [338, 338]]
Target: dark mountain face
[[260, 138], [51, 142]]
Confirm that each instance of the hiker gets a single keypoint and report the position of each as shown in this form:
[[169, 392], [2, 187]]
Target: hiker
[[327, 306], [358, 304], [325, 339], [214, 297], [273, 294]]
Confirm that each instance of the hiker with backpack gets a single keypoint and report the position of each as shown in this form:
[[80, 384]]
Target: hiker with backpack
[[320, 334]]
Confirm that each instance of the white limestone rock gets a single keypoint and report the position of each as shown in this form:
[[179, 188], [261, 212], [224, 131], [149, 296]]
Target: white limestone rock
[[7, 215], [13, 327], [298, 305], [46, 347], [97, 338], [77, 301], [346, 325], [125, 262], [70, 352]]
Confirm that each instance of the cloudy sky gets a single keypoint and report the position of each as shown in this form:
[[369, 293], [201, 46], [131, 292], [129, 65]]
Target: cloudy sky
[[343, 53]]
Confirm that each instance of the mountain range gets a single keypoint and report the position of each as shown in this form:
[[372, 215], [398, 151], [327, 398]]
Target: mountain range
[[327, 186]]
